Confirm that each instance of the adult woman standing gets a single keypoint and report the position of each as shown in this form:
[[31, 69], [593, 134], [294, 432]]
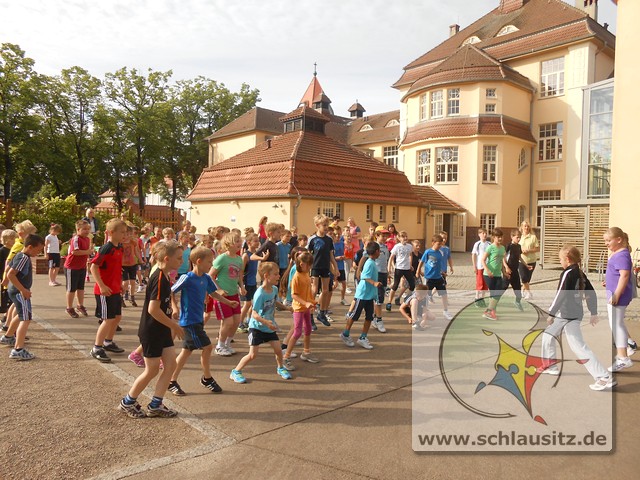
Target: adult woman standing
[[530, 248]]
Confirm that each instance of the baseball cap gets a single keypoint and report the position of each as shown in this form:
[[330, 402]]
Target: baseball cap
[[381, 229]]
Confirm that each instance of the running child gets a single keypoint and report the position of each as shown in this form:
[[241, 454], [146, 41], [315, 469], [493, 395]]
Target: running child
[[262, 326], [75, 264], [249, 280], [416, 255], [339, 254], [324, 264], [431, 264], [492, 263], [195, 286], [476, 258], [52, 250], [283, 251], [510, 263], [401, 258], [156, 332]]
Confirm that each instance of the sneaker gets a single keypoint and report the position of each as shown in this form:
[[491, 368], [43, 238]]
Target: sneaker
[[134, 410], [364, 343], [82, 310], [211, 384], [125, 296], [140, 289], [604, 383], [113, 348], [133, 302], [72, 313], [518, 305], [242, 328], [294, 354], [286, 362], [431, 299], [348, 341], [343, 302], [388, 307], [231, 350], [9, 341], [100, 355], [480, 303], [223, 351], [448, 316], [349, 291], [314, 327], [397, 302], [417, 327], [284, 373], [379, 324], [136, 358], [328, 317], [620, 364], [236, 376], [490, 314], [21, 354], [162, 411], [630, 351], [324, 320], [174, 388], [548, 371], [118, 328], [631, 347], [307, 357]]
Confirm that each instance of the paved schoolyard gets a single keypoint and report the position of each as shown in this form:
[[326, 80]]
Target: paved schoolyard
[[347, 417]]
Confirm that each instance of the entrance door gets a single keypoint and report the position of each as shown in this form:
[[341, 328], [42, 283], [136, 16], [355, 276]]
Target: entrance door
[[457, 241]]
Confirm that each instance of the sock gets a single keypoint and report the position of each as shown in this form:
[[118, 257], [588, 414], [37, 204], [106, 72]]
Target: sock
[[207, 380], [20, 349], [228, 341], [107, 341], [221, 344], [363, 336], [129, 400], [155, 402], [97, 347], [346, 333]]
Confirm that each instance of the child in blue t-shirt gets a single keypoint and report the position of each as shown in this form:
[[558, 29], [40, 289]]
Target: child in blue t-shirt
[[284, 247], [195, 285], [263, 326], [249, 279], [366, 293], [431, 262], [338, 245]]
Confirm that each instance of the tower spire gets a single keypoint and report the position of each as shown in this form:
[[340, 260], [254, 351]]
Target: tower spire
[[315, 69]]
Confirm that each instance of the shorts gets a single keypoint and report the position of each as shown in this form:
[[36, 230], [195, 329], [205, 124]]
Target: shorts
[[75, 279], [480, 284], [251, 291], [407, 275], [195, 338], [382, 278], [525, 273], [129, 272], [301, 321], [54, 260], [154, 342], [23, 305], [439, 284], [321, 272], [225, 311], [208, 305], [258, 337], [108, 308], [341, 276], [366, 305]]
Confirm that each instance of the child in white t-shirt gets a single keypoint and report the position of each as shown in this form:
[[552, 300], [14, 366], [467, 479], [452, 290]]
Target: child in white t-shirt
[[52, 250]]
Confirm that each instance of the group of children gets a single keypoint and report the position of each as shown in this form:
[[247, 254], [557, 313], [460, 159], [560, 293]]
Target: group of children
[[187, 282]]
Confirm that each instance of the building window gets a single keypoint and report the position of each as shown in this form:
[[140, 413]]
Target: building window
[[390, 156], [436, 104], [453, 101], [395, 214], [488, 221], [491, 93], [552, 78], [507, 29], [424, 166], [382, 213], [423, 106], [369, 213], [446, 164], [550, 142], [490, 108], [600, 133], [330, 209], [520, 216], [471, 40], [438, 223], [522, 159], [545, 195], [489, 163], [366, 128]]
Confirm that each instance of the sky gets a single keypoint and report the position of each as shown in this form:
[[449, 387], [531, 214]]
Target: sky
[[360, 46]]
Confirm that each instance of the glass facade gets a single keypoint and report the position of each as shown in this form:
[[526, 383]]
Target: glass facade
[[600, 132]]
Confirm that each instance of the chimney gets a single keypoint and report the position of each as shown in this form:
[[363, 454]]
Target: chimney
[[590, 7], [453, 29], [507, 6]]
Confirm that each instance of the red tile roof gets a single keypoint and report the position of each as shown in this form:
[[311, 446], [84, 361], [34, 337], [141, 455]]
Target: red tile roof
[[304, 111], [434, 199], [469, 64], [313, 90], [257, 118], [537, 18], [469, 127], [379, 131], [309, 163]]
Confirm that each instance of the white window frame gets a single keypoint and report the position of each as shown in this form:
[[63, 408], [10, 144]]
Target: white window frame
[[550, 143], [490, 164], [490, 108], [447, 165], [390, 155], [437, 104], [545, 195], [552, 77], [438, 223], [369, 212], [453, 102], [522, 160], [423, 107], [382, 213], [423, 162], [488, 222], [491, 93], [395, 214], [330, 209], [521, 214]]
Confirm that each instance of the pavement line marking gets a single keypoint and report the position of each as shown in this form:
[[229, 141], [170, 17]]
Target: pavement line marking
[[217, 439]]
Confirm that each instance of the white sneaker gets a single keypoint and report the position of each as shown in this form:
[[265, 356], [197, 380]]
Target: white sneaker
[[379, 324], [343, 302], [364, 343], [223, 352], [604, 383], [620, 364], [349, 291], [630, 351], [140, 289], [348, 341], [447, 315], [230, 349]]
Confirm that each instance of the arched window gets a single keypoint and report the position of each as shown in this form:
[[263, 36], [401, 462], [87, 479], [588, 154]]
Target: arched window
[[522, 159], [366, 128], [507, 29], [471, 40], [392, 123]]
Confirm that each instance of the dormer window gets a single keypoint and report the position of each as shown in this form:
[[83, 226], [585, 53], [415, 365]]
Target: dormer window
[[507, 29], [365, 128], [392, 123], [471, 40]]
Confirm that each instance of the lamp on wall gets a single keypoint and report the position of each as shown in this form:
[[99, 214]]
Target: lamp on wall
[[234, 202], [276, 205]]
